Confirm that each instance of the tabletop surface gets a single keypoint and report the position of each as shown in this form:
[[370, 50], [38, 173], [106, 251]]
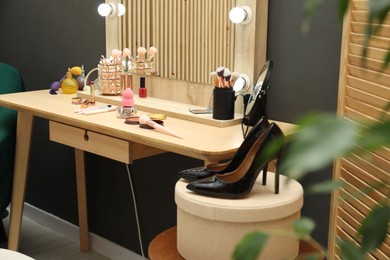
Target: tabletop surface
[[199, 141]]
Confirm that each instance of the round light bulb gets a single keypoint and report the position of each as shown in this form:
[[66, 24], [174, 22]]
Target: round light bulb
[[104, 9], [241, 14], [121, 9], [237, 15]]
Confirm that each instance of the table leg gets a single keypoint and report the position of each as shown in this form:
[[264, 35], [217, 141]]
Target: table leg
[[208, 162], [82, 200], [22, 154]]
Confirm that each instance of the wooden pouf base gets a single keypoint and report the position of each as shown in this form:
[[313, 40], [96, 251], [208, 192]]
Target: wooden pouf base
[[210, 228]]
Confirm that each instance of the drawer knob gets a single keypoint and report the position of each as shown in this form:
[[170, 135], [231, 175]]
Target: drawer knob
[[86, 137]]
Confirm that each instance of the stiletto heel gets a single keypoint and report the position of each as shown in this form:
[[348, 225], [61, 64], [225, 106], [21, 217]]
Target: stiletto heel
[[239, 182], [265, 169], [278, 159], [200, 173]]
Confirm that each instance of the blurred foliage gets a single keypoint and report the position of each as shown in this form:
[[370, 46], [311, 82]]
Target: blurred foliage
[[319, 139]]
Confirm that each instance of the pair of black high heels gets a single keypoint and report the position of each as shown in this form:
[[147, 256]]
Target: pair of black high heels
[[200, 173], [236, 178]]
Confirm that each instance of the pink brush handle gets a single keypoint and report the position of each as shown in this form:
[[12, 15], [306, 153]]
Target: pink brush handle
[[162, 129]]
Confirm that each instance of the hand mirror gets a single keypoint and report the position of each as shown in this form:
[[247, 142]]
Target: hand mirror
[[255, 102]]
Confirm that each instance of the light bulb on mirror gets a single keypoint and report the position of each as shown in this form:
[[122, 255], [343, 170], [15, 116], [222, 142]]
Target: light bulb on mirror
[[121, 9], [105, 9], [111, 9], [241, 15]]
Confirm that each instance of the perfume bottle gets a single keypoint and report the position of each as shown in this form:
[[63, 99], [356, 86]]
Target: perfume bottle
[[69, 85], [80, 79], [142, 88]]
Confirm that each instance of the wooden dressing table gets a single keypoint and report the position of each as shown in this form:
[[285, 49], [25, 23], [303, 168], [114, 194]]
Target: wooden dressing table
[[106, 135]]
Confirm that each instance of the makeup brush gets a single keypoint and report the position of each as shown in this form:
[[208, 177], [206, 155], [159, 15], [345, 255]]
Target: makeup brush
[[151, 52], [115, 54], [145, 119], [220, 71], [125, 54], [227, 75], [141, 51], [213, 75]]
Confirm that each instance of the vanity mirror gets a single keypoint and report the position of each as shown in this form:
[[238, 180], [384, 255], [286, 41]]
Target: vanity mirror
[[193, 37], [255, 102]]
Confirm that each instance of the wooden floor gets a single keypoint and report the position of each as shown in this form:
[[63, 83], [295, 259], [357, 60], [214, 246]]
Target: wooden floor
[[42, 243]]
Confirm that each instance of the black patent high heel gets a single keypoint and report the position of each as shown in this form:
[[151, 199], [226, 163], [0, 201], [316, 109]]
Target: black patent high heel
[[240, 182], [200, 173]]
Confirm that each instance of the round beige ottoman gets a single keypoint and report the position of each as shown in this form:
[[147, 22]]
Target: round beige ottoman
[[210, 228], [6, 254]]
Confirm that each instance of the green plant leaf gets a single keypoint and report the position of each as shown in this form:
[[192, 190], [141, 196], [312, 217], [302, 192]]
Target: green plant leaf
[[309, 9], [374, 228], [318, 141], [313, 256], [303, 227], [379, 9], [375, 136], [342, 9], [350, 251], [324, 187], [386, 61], [250, 246]]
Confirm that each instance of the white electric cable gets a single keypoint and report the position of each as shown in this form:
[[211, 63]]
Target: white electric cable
[[135, 210]]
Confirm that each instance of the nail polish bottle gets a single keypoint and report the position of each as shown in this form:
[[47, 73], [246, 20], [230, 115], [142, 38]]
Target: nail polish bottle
[[142, 88]]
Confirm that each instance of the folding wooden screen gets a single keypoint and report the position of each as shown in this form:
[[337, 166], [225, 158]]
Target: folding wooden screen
[[364, 92]]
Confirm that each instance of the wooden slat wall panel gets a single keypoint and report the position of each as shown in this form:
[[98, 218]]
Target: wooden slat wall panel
[[364, 92], [185, 33]]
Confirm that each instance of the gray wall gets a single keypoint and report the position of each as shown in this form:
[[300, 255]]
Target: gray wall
[[43, 38]]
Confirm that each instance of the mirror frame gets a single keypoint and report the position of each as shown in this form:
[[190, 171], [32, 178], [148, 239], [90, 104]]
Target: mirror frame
[[250, 54]]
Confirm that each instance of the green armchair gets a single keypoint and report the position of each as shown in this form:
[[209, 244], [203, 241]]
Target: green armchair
[[10, 81]]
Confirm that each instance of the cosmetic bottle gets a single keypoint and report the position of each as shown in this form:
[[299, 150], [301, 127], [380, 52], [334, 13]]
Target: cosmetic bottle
[[69, 85], [142, 88]]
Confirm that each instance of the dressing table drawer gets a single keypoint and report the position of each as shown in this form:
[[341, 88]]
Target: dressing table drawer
[[89, 141]]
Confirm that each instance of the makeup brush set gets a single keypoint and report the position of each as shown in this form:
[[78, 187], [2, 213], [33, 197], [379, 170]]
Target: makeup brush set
[[143, 63], [110, 71]]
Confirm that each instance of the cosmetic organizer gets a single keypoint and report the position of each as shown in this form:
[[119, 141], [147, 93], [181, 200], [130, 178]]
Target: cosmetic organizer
[[223, 103], [110, 79], [142, 67], [210, 228]]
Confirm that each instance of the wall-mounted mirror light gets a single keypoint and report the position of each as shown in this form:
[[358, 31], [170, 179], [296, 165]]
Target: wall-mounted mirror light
[[241, 85], [242, 15], [111, 9]]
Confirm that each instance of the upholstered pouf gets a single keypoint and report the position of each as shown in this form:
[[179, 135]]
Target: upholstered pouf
[[6, 254], [210, 228]]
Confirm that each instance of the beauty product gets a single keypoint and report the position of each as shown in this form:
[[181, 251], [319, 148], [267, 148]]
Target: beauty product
[[69, 85], [127, 109], [141, 51], [80, 79], [157, 116], [145, 119], [142, 88], [98, 111], [151, 52]]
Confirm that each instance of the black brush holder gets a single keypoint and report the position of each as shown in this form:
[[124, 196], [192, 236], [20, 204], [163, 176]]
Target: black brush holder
[[223, 103]]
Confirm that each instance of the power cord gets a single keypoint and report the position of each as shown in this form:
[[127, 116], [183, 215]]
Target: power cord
[[135, 210]]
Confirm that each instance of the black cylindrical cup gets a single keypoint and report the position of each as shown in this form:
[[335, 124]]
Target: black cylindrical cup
[[223, 103]]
